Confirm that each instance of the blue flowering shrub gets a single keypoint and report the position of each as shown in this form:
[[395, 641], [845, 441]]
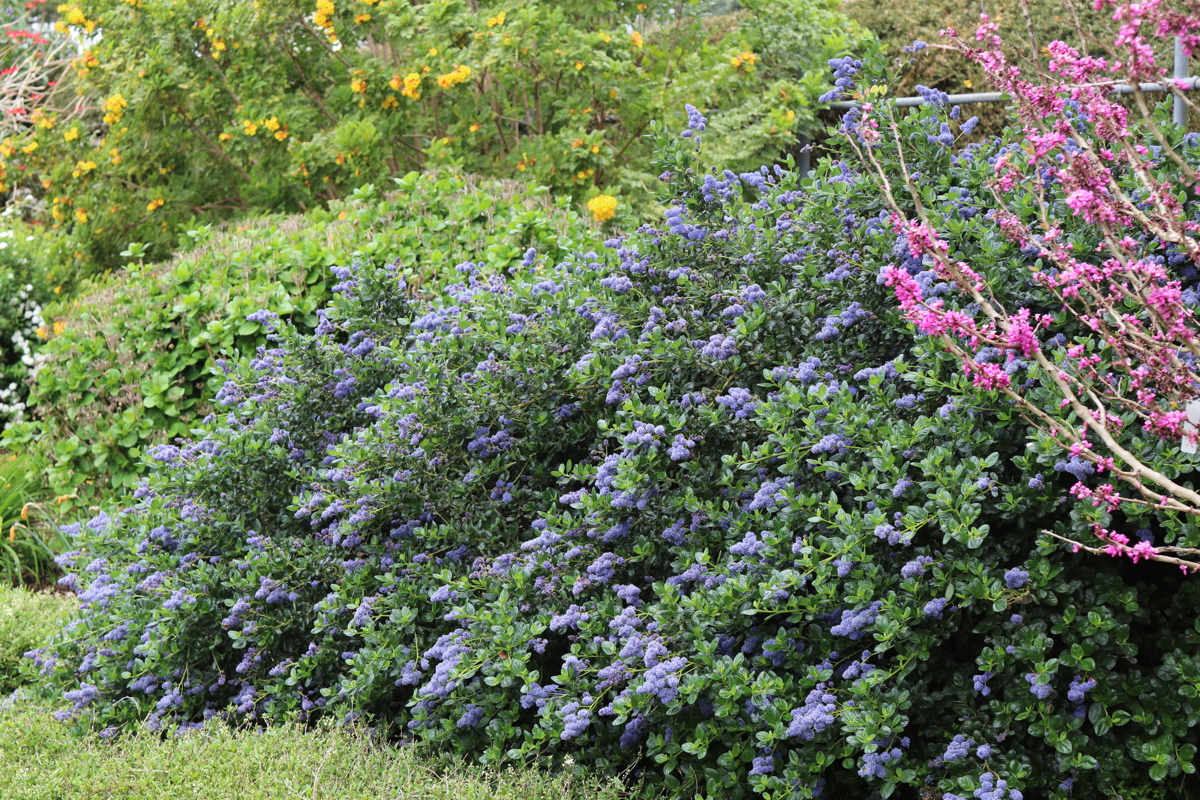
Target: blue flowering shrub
[[698, 507], [129, 363]]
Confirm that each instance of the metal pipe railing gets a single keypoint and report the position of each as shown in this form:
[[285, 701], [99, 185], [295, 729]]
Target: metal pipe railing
[[1180, 76], [1183, 82]]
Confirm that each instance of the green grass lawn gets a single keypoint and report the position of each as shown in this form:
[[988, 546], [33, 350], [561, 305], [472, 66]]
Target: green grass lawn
[[41, 759], [26, 620]]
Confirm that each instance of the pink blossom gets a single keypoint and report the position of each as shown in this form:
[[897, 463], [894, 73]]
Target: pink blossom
[[988, 376], [1142, 550]]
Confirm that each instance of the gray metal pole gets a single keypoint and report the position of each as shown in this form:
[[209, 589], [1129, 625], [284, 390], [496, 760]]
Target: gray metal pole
[[1181, 71], [996, 97], [805, 162]]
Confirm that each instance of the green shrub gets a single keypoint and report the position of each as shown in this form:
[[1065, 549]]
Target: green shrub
[[130, 361], [701, 507], [42, 760], [27, 620], [203, 109]]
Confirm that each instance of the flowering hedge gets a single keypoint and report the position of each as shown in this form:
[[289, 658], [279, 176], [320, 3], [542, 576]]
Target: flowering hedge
[[207, 109], [698, 507], [129, 363]]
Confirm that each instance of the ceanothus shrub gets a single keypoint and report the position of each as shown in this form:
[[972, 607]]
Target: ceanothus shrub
[[698, 507]]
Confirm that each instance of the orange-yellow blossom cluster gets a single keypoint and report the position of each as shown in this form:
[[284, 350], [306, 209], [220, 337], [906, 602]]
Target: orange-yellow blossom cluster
[[114, 109], [409, 85], [459, 75]]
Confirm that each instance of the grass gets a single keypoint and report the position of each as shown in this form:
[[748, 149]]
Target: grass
[[26, 620], [41, 759]]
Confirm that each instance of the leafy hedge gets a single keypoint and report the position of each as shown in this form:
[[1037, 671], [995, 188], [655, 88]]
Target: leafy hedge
[[700, 507], [130, 361]]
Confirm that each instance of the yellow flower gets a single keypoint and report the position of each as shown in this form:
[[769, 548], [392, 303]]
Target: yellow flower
[[638, 41], [85, 166], [326, 7], [459, 75], [59, 327], [71, 135], [433, 51], [43, 332], [114, 109], [249, 128], [361, 18], [281, 135], [358, 86], [595, 148], [603, 207], [29, 148], [412, 83], [153, 205], [272, 124], [476, 126], [72, 14], [496, 20], [225, 137], [390, 102], [81, 216], [218, 45], [735, 61], [790, 115], [968, 84], [578, 65]]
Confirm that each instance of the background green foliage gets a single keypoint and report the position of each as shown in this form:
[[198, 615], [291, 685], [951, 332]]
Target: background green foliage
[[133, 361], [218, 108]]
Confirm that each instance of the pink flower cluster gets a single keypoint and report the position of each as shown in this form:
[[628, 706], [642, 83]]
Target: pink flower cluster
[[1140, 361]]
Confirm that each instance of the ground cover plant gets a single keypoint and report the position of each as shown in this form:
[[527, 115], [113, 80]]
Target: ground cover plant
[[200, 109], [129, 362], [39, 760]]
